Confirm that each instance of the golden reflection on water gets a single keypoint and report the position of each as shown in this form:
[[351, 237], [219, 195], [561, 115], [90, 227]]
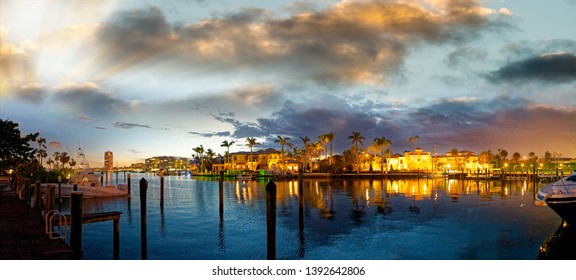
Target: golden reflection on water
[[363, 193]]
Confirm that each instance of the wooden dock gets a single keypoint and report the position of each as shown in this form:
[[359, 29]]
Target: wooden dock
[[22, 233]]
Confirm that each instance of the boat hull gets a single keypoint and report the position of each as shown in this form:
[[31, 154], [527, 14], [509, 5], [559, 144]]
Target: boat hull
[[90, 191], [560, 196]]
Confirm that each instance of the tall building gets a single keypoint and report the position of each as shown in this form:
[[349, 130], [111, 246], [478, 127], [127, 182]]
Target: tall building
[[108, 161]]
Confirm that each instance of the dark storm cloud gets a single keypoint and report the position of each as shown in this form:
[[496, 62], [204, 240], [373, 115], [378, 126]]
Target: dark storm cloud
[[463, 123], [365, 42], [87, 98], [550, 68], [313, 117], [126, 125]]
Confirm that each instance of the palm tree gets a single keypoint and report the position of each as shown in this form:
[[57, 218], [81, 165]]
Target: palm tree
[[305, 141], [50, 161], [283, 142], [200, 154], [210, 154], [324, 140], [41, 148], [64, 158], [251, 142], [330, 136], [413, 140], [357, 138], [383, 144], [227, 144], [57, 156], [316, 149]]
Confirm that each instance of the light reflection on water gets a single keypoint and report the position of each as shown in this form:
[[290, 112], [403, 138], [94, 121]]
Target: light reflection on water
[[345, 219]]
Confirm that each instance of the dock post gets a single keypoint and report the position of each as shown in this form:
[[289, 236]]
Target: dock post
[[60, 194], [143, 218], [76, 223], [129, 183], [116, 239], [221, 192], [161, 189], [271, 220], [75, 187], [301, 248], [37, 196], [49, 198], [27, 191]]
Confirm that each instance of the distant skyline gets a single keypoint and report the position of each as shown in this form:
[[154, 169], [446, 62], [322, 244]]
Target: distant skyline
[[153, 78]]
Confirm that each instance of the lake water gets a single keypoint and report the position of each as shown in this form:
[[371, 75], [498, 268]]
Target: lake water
[[426, 219]]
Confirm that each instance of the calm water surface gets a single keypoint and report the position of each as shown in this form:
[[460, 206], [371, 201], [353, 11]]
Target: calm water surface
[[351, 219]]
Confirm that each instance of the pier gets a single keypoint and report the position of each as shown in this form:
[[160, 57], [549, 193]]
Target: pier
[[22, 234]]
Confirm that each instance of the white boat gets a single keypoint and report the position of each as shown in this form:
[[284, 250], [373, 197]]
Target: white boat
[[89, 183], [560, 196], [248, 176]]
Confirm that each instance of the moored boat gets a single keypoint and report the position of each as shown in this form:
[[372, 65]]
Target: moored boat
[[89, 183], [560, 196], [247, 176]]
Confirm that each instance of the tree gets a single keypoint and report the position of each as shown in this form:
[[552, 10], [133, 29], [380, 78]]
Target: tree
[[357, 138], [516, 157], [283, 142], [41, 148], [414, 139], [200, 155], [14, 149], [324, 140], [305, 141], [251, 142], [330, 137], [227, 144], [64, 159], [503, 154], [532, 158], [210, 154], [57, 156], [382, 143]]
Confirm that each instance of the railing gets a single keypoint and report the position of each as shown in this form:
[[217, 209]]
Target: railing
[[61, 226]]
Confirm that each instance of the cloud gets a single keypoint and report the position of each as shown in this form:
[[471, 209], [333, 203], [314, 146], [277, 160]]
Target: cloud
[[549, 68], [126, 125], [211, 134], [54, 144], [88, 99], [465, 56], [356, 42], [18, 71]]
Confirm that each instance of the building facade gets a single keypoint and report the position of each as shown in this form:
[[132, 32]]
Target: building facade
[[168, 163], [108, 161]]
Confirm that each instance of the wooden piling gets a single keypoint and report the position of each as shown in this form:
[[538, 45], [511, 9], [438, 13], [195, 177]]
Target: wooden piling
[[37, 195], [143, 219], [221, 192], [116, 239], [271, 220], [161, 189], [59, 194], [129, 184], [50, 192], [76, 223], [75, 187]]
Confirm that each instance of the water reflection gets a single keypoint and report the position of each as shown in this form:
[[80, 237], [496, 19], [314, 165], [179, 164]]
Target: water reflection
[[559, 246], [336, 219]]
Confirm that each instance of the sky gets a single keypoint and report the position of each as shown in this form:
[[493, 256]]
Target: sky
[[152, 78]]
